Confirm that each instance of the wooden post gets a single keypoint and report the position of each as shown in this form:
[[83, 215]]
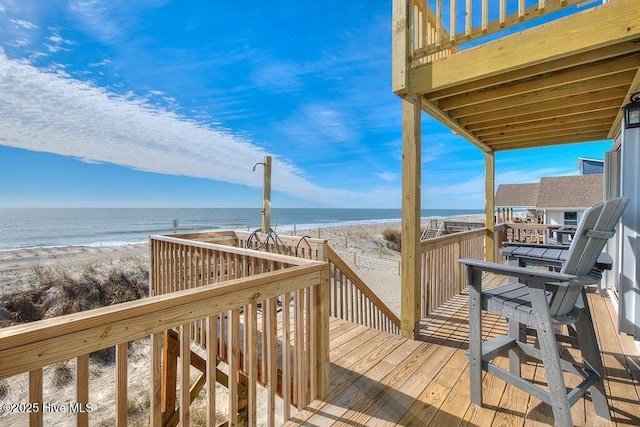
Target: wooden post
[[322, 302], [489, 180], [266, 195], [411, 193], [402, 28]]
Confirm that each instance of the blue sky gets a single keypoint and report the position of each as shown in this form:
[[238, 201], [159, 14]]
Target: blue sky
[[170, 103]]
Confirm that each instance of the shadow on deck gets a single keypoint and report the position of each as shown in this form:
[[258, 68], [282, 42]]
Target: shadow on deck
[[382, 379]]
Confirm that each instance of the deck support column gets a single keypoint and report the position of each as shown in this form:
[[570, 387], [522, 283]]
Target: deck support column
[[411, 192], [489, 184]]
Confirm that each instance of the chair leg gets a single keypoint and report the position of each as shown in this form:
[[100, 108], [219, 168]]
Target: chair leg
[[591, 356], [550, 356], [516, 356], [475, 335]]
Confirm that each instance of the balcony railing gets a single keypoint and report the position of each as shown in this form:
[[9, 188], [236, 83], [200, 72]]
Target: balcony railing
[[351, 298], [442, 277], [252, 295], [440, 26]]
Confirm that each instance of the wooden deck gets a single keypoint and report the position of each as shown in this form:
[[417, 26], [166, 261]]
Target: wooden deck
[[383, 379]]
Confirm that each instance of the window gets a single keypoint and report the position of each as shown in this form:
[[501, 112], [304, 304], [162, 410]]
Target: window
[[571, 218]]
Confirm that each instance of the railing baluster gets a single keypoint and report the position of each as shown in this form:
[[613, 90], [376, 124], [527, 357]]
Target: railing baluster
[[452, 21], [156, 379], [272, 359], [212, 353], [438, 23], [485, 16], [468, 19], [521, 10], [286, 356], [82, 389], [234, 356], [313, 330], [122, 401], [35, 396], [299, 348], [185, 368]]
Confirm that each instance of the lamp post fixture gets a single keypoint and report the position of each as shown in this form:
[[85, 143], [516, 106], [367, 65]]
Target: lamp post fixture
[[266, 193], [632, 112]]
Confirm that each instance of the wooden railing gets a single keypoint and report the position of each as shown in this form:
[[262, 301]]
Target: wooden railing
[[526, 233], [442, 277], [228, 313], [353, 300], [444, 24]]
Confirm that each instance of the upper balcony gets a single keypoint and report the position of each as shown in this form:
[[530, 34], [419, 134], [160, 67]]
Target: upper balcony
[[517, 74]]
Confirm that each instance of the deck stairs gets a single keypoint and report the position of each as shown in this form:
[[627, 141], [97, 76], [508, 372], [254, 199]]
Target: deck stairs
[[435, 228]]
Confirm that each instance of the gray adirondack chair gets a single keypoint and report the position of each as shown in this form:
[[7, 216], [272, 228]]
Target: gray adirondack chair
[[542, 300]]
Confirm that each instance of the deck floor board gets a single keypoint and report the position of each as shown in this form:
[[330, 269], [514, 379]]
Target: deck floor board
[[382, 379]]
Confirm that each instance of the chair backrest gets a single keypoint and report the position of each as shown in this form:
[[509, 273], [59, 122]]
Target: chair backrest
[[597, 226]]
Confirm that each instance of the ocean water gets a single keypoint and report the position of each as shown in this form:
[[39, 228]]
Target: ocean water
[[43, 227]]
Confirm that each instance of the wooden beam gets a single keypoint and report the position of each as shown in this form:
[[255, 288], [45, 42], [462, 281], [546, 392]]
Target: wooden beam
[[436, 113], [531, 143], [560, 64], [597, 105], [401, 40], [578, 89], [603, 26], [551, 131], [544, 82], [599, 132], [546, 109], [489, 196], [411, 193], [574, 120]]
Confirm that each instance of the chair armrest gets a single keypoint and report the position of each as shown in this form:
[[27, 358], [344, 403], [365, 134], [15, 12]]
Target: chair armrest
[[522, 273], [535, 245]]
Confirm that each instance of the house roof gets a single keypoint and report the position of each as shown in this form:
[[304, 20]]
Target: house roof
[[517, 195], [573, 191]]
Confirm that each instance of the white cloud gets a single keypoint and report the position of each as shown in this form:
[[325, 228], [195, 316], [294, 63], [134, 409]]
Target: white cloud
[[19, 43], [99, 64], [54, 113], [21, 23], [387, 176]]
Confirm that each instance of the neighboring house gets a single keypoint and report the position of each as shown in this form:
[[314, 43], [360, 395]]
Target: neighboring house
[[563, 199], [559, 200], [516, 196], [590, 166]]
